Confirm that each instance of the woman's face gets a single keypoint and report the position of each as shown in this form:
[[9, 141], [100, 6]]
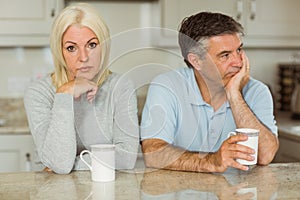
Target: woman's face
[[82, 52]]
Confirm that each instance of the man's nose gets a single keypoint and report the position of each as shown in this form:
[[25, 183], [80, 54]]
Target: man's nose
[[237, 59]]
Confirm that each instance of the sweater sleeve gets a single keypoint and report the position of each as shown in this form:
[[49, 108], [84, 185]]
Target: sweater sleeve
[[51, 121], [125, 126]]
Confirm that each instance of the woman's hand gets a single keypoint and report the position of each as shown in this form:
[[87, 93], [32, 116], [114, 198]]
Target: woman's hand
[[79, 86], [47, 169]]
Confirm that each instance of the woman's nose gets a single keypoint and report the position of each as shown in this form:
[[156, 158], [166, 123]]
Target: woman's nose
[[83, 57]]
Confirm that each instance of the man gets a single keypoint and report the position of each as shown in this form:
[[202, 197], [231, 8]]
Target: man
[[190, 111]]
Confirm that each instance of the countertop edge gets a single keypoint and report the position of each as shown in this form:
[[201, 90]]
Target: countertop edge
[[14, 130]]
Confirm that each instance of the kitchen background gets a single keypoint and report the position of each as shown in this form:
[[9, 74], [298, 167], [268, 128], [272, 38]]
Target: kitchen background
[[23, 63], [272, 30]]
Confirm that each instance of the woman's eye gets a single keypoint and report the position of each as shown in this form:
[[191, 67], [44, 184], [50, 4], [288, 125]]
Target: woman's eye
[[92, 45], [71, 48]]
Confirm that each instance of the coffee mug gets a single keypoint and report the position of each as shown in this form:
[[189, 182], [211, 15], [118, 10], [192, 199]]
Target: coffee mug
[[252, 142], [102, 162], [104, 190]]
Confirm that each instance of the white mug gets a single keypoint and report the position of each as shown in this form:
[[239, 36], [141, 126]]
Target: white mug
[[102, 162], [103, 190], [252, 142]]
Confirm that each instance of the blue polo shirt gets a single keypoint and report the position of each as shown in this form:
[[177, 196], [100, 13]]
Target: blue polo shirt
[[176, 112]]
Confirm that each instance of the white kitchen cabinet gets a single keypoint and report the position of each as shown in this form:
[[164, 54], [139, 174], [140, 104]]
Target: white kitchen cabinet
[[267, 23], [16, 152], [27, 23]]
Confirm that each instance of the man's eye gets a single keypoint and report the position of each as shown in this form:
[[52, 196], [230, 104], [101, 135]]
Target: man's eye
[[225, 55], [71, 48], [92, 45]]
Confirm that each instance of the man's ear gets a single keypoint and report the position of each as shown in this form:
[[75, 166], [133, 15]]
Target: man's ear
[[194, 60]]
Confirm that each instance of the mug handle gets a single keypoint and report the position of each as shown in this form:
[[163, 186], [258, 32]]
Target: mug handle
[[231, 134], [81, 157]]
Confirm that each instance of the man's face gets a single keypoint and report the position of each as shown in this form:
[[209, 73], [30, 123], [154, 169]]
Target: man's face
[[224, 58]]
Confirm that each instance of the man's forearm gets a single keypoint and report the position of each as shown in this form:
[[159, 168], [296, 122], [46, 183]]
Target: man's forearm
[[159, 154], [244, 118]]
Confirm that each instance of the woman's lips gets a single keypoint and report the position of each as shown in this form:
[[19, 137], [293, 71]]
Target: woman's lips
[[84, 69]]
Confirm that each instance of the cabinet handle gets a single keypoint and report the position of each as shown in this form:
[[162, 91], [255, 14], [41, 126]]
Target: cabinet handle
[[52, 12], [253, 9], [28, 162], [53, 8], [239, 9]]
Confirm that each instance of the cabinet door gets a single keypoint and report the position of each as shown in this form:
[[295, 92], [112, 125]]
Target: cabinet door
[[13, 152], [267, 23], [174, 11], [272, 23], [27, 22]]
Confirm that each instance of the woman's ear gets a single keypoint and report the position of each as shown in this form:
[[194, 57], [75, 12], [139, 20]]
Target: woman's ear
[[194, 60]]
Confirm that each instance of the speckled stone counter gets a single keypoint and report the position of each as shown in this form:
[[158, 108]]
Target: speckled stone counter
[[14, 130], [13, 116], [276, 181]]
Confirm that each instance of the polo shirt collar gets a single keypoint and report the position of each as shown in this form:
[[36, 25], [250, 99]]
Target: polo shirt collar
[[194, 93]]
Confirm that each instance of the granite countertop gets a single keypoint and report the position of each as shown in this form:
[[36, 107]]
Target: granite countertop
[[276, 181], [18, 127], [13, 117], [14, 130]]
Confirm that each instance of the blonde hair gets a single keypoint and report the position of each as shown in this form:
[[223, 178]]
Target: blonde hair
[[85, 15]]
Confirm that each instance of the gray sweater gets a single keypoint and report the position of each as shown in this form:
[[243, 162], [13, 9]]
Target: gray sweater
[[62, 127]]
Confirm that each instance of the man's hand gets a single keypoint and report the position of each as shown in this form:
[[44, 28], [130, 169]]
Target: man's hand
[[228, 153], [239, 80]]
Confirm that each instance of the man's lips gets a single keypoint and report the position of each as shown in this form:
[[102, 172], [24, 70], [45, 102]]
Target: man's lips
[[233, 72]]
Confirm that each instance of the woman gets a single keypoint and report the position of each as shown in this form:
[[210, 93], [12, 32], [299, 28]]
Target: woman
[[81, 102]]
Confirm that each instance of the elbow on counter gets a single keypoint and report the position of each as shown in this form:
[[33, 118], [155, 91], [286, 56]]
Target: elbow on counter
[[125, 166], [153, 157], [264, 162], [151, 160], [59, 167], [152, 163], [267, 158], [127, 161], [148, 162], [58, 170]]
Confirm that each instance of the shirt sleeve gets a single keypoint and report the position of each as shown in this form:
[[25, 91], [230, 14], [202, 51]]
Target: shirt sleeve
[[159, 117], [51, 121]]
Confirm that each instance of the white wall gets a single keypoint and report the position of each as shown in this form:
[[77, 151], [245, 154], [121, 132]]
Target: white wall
[[20, 65]]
